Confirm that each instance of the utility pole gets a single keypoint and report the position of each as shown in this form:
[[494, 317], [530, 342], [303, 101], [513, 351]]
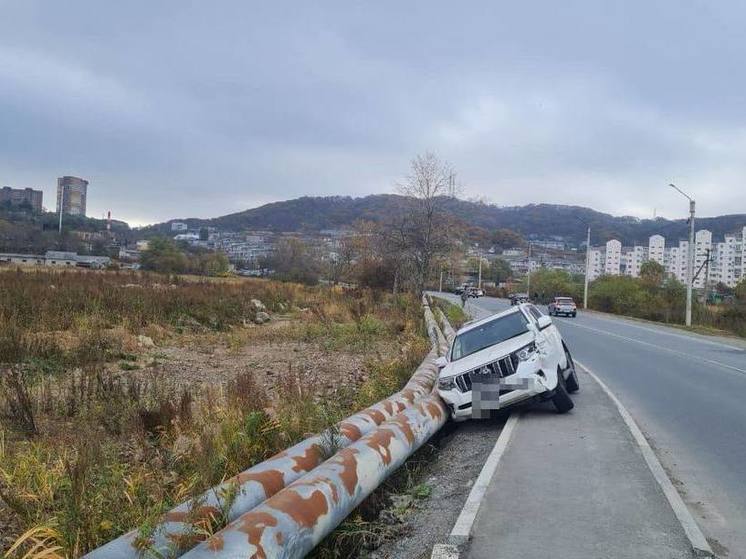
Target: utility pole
[[690, 256], [61, 203], [440, 284], [479, 278], [528, 272]]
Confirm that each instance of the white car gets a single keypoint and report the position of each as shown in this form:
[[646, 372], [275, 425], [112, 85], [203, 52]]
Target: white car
[[508, 358]]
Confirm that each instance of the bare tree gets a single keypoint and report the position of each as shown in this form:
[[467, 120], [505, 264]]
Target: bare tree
[[423, 232]]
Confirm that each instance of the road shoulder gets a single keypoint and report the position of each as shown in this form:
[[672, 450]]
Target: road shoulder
[[576, 485]]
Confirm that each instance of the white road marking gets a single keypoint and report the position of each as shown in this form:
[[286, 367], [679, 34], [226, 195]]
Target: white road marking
[[691, 528], [663, 331], [648, 344], [465, 521]]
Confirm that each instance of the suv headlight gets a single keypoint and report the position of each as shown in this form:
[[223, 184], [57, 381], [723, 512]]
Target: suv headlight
[[447, 383], [527, 352]]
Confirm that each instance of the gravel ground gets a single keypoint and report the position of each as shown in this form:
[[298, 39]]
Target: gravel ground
[[462, 450]]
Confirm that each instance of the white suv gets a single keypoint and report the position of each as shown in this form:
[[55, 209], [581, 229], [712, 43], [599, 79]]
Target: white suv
[[505, 359]]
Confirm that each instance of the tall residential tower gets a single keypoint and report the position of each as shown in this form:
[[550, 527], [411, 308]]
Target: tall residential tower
[[71, 195]]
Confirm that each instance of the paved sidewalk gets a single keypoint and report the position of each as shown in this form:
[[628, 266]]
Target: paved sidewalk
[[575, 486]]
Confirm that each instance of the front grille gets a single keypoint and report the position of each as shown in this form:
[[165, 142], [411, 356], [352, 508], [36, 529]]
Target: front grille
[[503, 367]]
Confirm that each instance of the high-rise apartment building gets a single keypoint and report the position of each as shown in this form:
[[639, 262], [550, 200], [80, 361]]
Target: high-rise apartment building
[[19, 197], [727, 259], [596, 261], [71, 195], [613, 258], [657, 249], [633, 260], [702, 250]]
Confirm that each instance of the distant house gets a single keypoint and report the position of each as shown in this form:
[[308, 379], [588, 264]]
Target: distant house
[[179, 226], [56, 258], [21, 259], [186, 237], [60, 258]]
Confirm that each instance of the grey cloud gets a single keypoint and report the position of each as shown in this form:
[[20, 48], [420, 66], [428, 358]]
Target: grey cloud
[[176, 109]]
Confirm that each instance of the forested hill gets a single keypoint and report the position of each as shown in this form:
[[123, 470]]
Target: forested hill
[[537, 220]]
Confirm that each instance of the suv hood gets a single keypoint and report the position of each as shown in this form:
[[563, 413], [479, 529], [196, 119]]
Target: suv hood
[[487, 355]]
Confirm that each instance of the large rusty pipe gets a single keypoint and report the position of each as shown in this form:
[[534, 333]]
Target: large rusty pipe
[[289, 524], [174, 534]]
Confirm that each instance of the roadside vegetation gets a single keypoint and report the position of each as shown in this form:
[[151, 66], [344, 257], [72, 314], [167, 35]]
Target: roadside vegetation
[[454, 313], [652, 296], [168, 257], [97, 439]]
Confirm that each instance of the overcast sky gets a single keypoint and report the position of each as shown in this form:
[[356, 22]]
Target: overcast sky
[[175, 109]]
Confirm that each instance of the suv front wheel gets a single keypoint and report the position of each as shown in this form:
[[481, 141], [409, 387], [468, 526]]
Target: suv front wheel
[[571, 383], [561, 398]]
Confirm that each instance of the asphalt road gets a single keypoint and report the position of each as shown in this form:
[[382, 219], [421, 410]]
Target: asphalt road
[[688, 394]]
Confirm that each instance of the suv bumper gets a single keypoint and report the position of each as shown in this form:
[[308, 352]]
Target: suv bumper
[[538, 384]]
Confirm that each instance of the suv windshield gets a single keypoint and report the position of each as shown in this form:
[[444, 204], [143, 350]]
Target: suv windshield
[[489, 333]]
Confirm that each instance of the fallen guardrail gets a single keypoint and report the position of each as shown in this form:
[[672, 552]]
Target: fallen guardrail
[[297, 518], [446, 327], [176, 533]]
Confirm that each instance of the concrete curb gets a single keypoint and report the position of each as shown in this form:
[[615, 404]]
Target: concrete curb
[[461, 531], [691, 529]]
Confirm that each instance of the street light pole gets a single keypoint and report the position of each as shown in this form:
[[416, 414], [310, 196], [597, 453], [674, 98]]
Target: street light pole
[[587, 267], [690, 256], [587, 260]]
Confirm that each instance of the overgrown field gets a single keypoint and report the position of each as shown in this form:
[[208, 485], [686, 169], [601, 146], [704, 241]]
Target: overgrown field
[[97, 438]]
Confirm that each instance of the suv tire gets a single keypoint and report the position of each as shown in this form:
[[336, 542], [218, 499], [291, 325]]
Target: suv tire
[[561, 398], [571, 383]]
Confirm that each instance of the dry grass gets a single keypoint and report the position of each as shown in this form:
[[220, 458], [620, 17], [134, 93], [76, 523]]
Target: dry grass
[[89, 450]]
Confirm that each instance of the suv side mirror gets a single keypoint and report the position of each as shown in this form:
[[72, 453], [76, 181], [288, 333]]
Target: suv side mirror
[[544, 321], [441, 362]]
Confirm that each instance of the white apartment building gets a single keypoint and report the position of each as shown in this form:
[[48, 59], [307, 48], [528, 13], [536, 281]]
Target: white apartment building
[[613, 259], [596, 261], [657, 249], [634, 259], [702, 250], [727, 258]]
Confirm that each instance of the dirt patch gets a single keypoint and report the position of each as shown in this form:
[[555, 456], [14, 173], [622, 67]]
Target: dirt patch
[[462, 451], [267, 362]]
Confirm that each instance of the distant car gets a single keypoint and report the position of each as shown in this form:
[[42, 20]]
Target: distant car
[[461, 288], [518, 298], [508, 358], [475, 292], [562, 306]]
